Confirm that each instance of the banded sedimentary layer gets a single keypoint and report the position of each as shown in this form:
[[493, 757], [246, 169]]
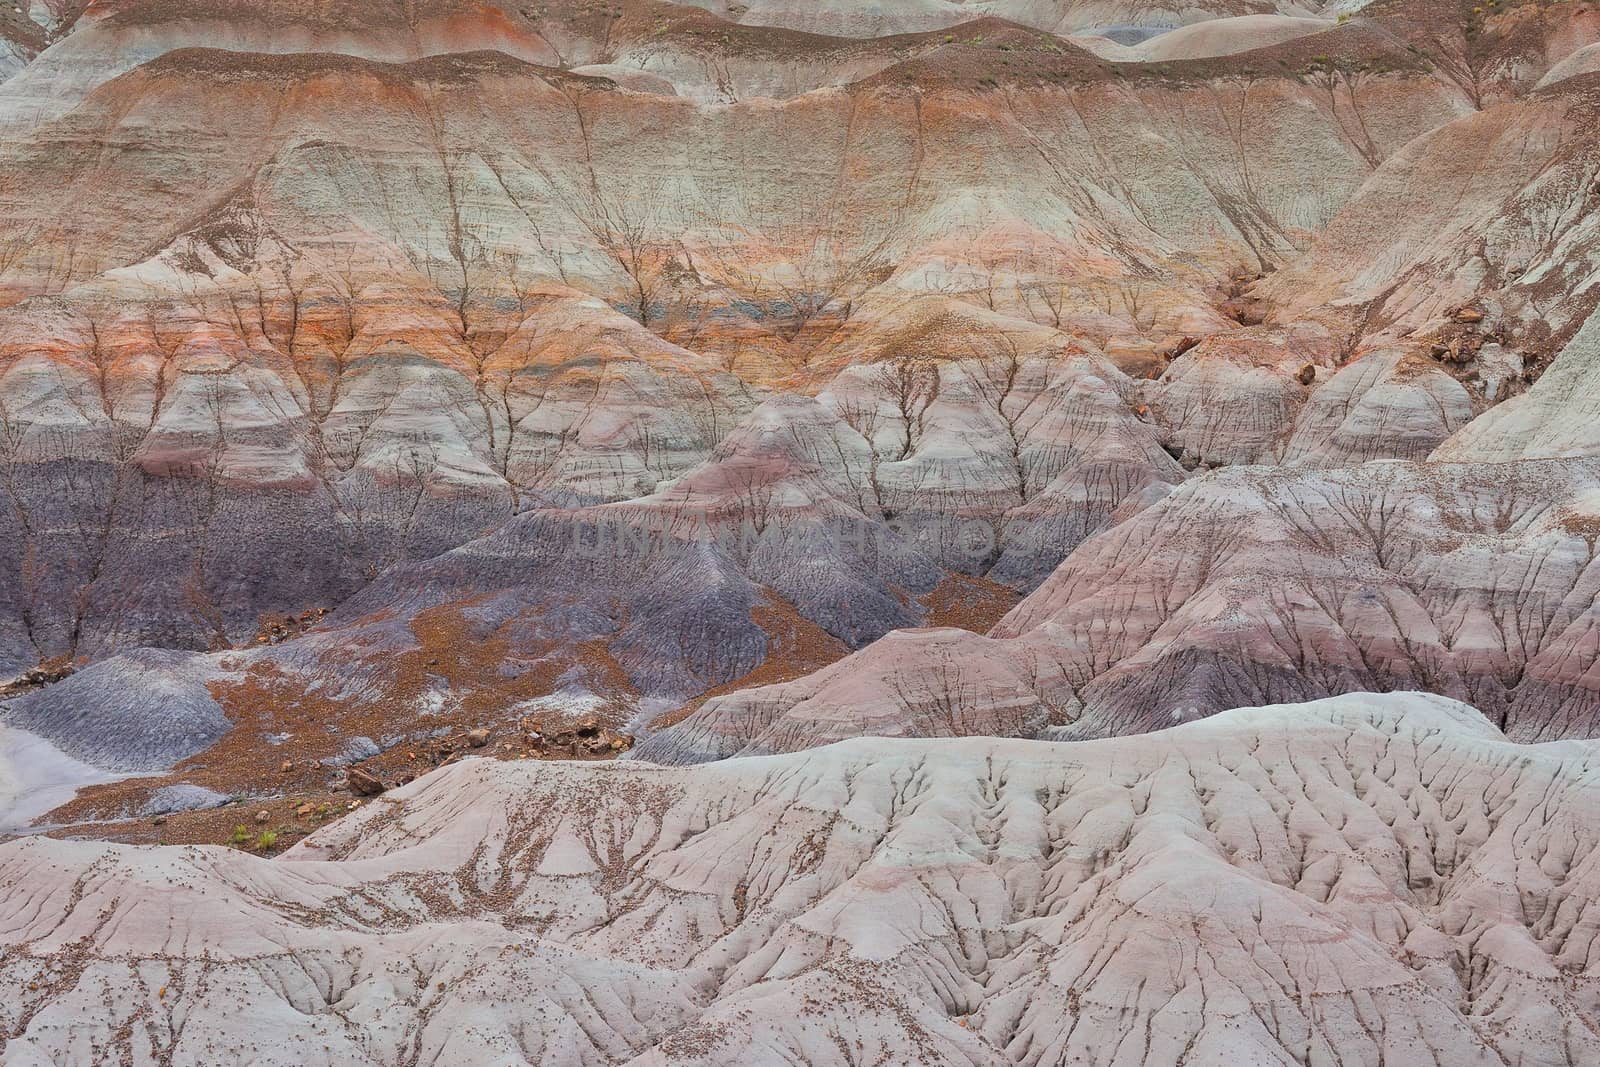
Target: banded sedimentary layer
[[886, 408]]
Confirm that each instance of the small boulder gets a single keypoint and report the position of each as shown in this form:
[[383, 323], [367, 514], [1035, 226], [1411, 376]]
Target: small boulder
[[363, 784], [263, 817], [1469, 314], [479, 737], [1307, 375], [184, 796]]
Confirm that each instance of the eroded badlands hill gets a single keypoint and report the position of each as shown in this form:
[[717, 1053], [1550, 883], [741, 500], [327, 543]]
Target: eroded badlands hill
[[880, 407], [1365, 880], [380, 382]]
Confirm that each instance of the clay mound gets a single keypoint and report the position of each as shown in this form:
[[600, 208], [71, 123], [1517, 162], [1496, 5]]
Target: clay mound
[[1226, 36], [845, 18], [1331, 863], [910, 683], [1384, 576], [138, 712], [880, 18]]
